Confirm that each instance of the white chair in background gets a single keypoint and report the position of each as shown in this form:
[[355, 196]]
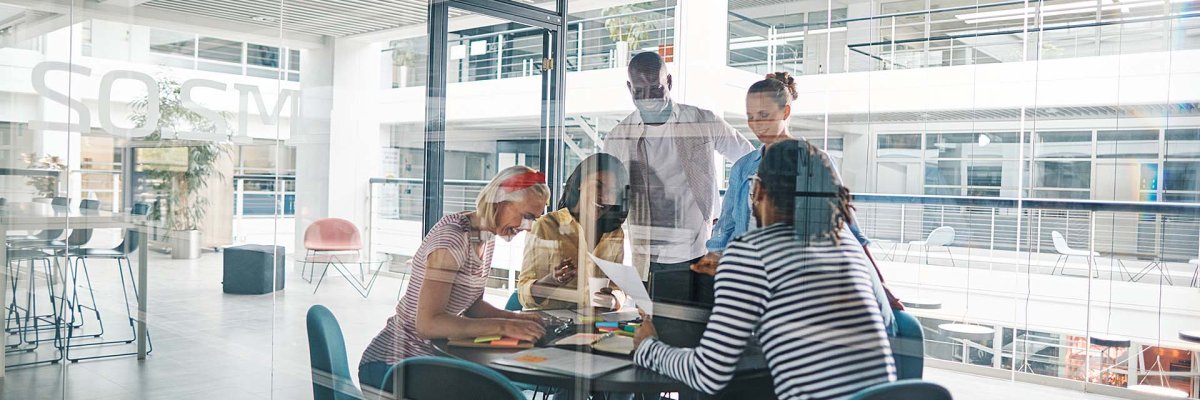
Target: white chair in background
[[1065, 252], [941, 237]]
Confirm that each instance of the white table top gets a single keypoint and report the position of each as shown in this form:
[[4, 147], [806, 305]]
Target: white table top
[[36, 216]]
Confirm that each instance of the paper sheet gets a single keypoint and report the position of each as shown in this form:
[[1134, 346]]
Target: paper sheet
[[627, 278]]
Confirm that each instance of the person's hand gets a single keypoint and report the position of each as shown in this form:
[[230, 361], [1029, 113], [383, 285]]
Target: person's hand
[[561, 274], [528, 316], [606, 299], [644, 330], [522, 329], [708, 264]]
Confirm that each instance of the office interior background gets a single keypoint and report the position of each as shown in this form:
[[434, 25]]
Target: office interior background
[[1032, 129]]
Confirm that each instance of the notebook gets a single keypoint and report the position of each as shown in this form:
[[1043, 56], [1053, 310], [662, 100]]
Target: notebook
[[567, 362], [603, 342]]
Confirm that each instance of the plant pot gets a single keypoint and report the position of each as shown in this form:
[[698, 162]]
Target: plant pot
[[621, 54], [185, 245], [400, 76]]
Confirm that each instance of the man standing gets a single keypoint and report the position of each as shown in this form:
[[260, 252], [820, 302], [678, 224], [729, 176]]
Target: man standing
[[669, 149]]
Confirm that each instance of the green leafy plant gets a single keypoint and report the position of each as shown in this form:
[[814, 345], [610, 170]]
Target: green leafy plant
[[185, 204], [627, 23], [403, 55], [45, 186]]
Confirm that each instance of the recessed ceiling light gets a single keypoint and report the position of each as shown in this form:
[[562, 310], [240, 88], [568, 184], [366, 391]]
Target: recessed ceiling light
[[1051, 110], [261, 18]]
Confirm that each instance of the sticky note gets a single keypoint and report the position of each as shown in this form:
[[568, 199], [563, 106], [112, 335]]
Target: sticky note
[[530, 359], [506, 342], [485, 339], [606, 329], [630, 328], [625, 333], [607, 325]]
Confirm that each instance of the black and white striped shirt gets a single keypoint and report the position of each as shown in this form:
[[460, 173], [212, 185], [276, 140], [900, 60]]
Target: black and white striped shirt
[[810, 306]]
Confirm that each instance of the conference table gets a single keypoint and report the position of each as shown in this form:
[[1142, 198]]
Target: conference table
[[32, 217], [643, 382]]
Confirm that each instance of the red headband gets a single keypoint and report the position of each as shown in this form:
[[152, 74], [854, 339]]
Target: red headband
[[523, 181]]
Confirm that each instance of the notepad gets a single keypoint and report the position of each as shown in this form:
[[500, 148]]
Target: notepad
[[572, 363], [485, 339], [608, 343]]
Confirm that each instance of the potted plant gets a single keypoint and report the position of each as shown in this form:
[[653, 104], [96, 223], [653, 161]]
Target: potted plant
[[403, 58], [182, 211], [627, 27], [44, 187]]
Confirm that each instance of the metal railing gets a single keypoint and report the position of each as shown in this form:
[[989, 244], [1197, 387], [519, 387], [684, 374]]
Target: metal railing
[[263, 196], [962, 35], [1141, 238], [518, 52]]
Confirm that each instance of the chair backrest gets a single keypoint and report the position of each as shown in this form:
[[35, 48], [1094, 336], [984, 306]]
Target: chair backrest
[[332, 234], [327, 357], [52, 234], [131, 242], [942, 236], [441, 378], [514, 302], [908, 347], [79, 237], [1060, 242], [909, 389]]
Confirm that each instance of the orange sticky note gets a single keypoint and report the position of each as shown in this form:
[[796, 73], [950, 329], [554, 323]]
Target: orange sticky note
[[506, 342], [530, 359]]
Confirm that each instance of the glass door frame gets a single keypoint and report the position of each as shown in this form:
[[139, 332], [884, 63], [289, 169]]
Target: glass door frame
[[554, 43]]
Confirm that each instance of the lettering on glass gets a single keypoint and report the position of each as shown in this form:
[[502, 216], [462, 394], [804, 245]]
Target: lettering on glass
[[41, 76]]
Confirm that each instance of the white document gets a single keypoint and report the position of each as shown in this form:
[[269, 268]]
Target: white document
[[626, 277]]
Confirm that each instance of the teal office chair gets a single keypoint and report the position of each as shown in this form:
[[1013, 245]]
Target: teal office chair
[[441, 378], [908, 347], [514, 302], [911, 389], [327, 356]]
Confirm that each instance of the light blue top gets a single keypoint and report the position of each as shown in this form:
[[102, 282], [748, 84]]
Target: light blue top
[[735, 220], [735, 206]]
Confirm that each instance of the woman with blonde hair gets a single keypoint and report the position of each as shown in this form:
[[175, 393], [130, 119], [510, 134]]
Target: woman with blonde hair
[[449, 271]]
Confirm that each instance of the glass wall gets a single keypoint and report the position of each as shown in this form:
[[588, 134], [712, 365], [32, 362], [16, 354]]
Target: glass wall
[[154, 152], [1041, 134]]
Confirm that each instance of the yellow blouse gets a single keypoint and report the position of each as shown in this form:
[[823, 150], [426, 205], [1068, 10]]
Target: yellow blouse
[[554, 237]]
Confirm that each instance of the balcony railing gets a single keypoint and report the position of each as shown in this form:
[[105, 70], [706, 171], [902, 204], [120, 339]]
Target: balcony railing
[[962, 35], [1136, 241], [518, 52]]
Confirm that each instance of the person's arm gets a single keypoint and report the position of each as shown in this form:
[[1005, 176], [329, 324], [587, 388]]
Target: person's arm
[[740, 288], [722, 232], [482, 309], [540, 264], [434, 322], [728, 141]]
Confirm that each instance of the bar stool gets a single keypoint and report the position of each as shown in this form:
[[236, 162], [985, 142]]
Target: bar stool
[[121, 255]]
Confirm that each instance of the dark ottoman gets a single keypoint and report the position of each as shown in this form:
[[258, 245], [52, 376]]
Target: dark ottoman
[[253, 269]]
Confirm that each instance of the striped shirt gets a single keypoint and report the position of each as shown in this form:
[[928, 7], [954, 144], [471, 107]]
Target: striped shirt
[[811, 307], [398, 339]]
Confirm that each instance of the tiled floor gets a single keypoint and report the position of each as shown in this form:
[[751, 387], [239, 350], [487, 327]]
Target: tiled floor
[[209, 345]]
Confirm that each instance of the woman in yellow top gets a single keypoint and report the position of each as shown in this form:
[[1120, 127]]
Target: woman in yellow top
[[593, 200]]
